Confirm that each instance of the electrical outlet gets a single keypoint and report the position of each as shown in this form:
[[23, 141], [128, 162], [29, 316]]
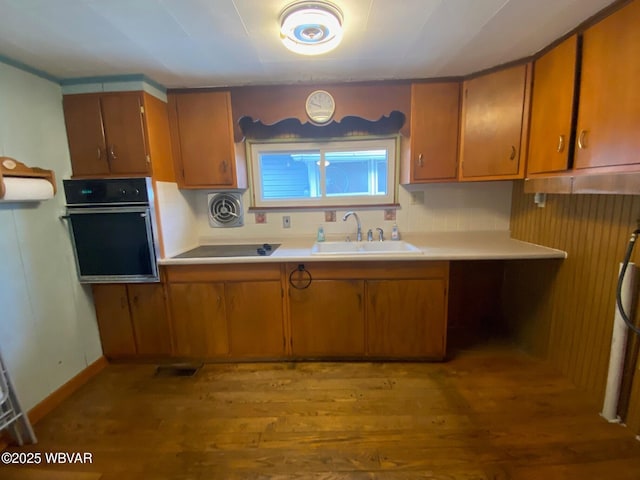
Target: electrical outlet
[[286, 221]]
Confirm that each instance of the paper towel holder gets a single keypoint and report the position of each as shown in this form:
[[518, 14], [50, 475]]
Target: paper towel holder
[[10, 167]]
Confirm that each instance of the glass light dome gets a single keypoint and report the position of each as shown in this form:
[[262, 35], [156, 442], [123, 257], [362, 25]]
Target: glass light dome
[[311, 27]]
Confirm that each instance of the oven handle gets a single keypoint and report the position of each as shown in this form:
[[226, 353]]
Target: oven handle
[[93, 210]]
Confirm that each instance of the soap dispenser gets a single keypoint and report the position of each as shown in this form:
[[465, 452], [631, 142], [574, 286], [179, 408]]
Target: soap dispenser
[[395, 234], [320, 236]]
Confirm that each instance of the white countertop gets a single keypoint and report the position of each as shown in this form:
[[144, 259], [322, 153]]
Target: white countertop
[[433, 246]]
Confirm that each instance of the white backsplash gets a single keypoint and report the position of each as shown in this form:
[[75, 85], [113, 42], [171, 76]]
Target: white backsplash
[[432, 208], [176, 217]]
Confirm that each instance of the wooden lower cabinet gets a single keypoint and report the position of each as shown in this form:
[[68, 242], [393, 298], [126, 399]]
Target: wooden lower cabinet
[[354, 310], [198, 319], [327, 318], [114, 320], [230, 311], [255, 318], [132, 319], [406, 318], [149, 319], [372, 309]]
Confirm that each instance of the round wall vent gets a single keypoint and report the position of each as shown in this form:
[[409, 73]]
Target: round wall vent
[[225, 210]]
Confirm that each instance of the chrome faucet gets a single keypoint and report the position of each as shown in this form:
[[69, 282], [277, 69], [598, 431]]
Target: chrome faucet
[[380, 234], [369, 236], [359, 231]]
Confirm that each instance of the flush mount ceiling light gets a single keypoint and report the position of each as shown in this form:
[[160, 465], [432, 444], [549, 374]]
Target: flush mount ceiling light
[[311, 27]]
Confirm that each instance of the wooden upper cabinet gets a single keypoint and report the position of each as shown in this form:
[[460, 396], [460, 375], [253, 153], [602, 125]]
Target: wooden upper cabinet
[[106, 134], [494, 125], [202, 134], [124, 131], [552, 109], [608, 128], [434, 133], [87, 145]]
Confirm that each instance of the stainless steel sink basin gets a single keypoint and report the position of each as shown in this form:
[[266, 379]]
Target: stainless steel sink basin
[[364, 248]]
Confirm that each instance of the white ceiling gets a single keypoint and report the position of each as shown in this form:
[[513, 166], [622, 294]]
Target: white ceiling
[[190, 43]]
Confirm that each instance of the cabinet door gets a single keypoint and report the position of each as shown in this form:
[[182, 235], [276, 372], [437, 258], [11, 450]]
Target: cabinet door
[[114, 320], [327, 318], [493, 107], [85, 135], [609, 110], [206, 150], [255, 318], [434, 131], [552, 108], [124, 132], [406, 318], [149, 318], [198, 319]]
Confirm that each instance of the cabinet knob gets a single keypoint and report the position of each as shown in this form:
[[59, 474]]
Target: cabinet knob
[[99, 153], [112, 152], [560, 148], [513, 153], [420, 161], [582, 140]]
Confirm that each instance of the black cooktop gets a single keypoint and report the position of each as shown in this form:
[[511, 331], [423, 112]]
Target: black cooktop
[[252, 250]]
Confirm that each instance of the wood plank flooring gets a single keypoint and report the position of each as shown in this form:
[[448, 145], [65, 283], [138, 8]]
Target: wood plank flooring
[[488, 413]]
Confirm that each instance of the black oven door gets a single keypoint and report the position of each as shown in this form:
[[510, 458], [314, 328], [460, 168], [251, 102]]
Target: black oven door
[[113, 245]]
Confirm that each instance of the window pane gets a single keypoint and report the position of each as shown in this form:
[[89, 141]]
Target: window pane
[[308, 173], [290, 175], [381, 170], [356, 172]]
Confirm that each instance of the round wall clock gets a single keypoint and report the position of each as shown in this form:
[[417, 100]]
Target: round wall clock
[[320, 107]]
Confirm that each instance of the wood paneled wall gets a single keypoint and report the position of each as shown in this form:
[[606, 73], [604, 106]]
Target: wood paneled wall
[[563, 310]]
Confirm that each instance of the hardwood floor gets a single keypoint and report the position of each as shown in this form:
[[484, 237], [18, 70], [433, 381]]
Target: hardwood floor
[[489, 413]]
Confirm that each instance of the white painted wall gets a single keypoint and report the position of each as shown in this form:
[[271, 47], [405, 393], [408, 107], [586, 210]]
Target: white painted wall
[[480, 206], [48, 330]]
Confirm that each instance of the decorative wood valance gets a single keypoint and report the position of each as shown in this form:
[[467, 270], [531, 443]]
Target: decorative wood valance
[[270, 105], [348, 126]]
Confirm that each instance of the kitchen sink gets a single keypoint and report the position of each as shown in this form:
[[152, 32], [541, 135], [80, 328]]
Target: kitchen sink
[[364, 248]]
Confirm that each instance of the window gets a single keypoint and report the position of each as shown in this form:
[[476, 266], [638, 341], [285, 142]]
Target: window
[[341, 173]]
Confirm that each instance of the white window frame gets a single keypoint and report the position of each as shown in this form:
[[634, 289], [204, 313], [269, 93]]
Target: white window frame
[[390, 144]]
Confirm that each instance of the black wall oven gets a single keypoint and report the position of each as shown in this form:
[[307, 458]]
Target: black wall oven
[[113, 229]]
